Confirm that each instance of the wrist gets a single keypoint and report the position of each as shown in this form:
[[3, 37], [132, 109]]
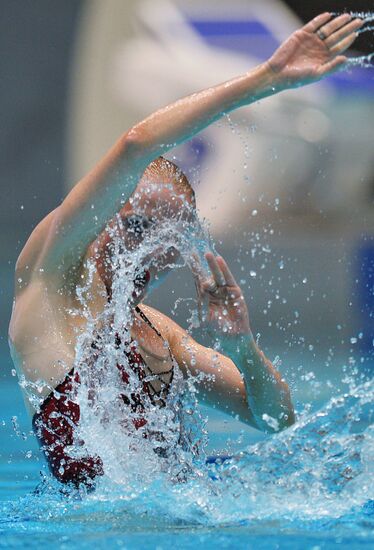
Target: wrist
[[274, 78], [230, 329], [240, 343]]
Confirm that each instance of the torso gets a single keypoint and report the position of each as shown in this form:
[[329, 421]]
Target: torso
[[43, 336], [48, 355]]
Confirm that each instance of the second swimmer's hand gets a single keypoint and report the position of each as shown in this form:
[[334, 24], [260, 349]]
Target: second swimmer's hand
[[314, 51], [227, 310]]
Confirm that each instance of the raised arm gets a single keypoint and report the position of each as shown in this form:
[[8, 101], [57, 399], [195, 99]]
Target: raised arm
[[304, 58]]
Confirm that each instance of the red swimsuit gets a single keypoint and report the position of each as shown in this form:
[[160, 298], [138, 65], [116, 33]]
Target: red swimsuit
[[54, 424]]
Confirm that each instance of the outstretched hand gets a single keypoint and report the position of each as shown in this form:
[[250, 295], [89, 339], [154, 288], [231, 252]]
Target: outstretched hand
[[315, 50], [227, 310]]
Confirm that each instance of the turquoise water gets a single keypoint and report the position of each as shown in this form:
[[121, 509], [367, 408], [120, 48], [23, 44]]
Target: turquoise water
[[309, 487]]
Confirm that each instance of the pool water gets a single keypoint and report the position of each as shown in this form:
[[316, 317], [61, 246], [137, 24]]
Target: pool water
[[308, 487]]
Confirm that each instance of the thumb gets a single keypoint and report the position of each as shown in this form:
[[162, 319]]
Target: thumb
[[339, 63]]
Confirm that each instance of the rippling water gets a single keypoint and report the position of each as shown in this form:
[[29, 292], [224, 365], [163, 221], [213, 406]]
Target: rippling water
[[311, 486], [312, 482]]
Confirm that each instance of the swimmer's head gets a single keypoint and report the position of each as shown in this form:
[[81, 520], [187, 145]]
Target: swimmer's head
[[163, 194]]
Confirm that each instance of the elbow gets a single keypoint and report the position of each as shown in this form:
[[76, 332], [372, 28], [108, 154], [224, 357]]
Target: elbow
[[137, 139], [283, 418], [136, 146], [131, 143], [287, 416]]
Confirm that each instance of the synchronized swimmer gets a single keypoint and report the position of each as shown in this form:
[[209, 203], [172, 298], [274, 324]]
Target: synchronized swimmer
[[43, 333]]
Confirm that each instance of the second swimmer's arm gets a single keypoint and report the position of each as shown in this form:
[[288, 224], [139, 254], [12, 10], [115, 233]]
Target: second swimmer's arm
[[302, 59], [240, 381], [267, 394]]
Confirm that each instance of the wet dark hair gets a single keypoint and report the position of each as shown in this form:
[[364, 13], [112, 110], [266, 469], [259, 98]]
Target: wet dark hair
[[171, 174]]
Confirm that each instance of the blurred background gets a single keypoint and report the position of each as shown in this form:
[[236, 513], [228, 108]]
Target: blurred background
[[286, 186]]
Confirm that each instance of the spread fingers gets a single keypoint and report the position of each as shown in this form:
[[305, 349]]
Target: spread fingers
[[316, 23], [215, 269], [334, 25], [229, 277], [343, 44], [343, 32]]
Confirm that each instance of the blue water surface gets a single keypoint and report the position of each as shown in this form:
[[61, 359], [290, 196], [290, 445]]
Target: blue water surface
[[309, 487]]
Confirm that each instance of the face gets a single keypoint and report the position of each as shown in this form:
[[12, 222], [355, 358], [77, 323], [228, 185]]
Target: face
[[147, 209]]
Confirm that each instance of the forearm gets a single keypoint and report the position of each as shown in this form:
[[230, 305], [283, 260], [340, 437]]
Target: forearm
[[268, 395], [303, 58], [181, 120]]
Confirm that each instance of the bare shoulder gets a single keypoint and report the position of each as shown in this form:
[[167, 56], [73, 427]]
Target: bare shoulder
[[168, 328], [31, 252]]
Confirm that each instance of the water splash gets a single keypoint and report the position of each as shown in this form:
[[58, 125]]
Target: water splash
[[316, 476], [366, 16], [173, 440], [318, 472], [363, 61], [365, 29], [321, 467]]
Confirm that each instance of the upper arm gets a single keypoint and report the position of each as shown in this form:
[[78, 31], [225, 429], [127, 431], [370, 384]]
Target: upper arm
[[221, 384], [90, 205], [28, 258]]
